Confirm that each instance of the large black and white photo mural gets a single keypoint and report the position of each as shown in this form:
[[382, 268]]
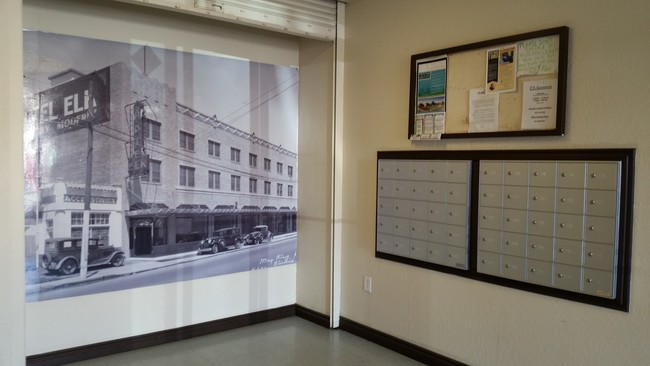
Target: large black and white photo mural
[[145, 165]]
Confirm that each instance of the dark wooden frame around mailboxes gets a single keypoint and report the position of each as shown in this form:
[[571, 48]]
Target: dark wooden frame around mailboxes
[[563, 56], [626, 157]]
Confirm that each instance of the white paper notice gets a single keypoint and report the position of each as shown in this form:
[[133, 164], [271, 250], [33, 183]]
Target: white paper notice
[[483, 111], [540, 101], [538, 56]]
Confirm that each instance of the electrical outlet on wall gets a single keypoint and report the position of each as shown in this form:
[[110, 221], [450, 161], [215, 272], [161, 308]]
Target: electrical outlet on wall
[[367, 284]]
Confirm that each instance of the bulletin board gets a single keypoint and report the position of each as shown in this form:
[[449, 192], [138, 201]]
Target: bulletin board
[[509, 86]]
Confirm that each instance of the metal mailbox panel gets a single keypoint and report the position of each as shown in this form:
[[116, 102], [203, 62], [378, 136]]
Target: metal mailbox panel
[[419, 230], [437, 212], [436, 192], [419, 210], [438, 171], [385, 206], [401, 227], [384, 243], [419, 171], [385, 188], [386, 169], [457, 235], [401, 246], [401, 208], [437, 232]]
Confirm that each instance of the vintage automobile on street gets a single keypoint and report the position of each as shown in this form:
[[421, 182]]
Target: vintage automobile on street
[[221, 240], [258, 235], [62, 255]]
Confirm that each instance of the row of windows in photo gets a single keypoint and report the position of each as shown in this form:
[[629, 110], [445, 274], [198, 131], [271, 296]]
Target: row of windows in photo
[[186, 141], [186, 179]]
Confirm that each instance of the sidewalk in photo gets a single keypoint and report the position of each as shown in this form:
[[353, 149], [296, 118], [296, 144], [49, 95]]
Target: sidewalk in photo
[[131, 266]]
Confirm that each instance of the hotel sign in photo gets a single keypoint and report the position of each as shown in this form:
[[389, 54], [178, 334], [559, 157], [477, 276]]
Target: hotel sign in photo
[[66, 107]]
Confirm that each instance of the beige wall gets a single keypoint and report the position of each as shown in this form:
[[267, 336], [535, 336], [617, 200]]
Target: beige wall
[[608, 90], [12, 252]]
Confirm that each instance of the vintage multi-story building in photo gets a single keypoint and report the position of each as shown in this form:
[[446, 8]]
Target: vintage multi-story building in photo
[[170, 174]]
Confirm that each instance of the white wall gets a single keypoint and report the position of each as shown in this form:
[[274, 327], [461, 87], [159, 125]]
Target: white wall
[[65, 323], [608, 90], [12, 252]]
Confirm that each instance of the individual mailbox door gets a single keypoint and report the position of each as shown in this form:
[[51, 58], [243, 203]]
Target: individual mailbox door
[[418, 250], [602, 175], [385, 188], [384, 243], [457, 193], [514, 244], [457, 236], [402, 169], [539, 272], [491, 195], [436, 253], [515, 197], [514, 220], [489, 263], [515, 173], [401, 227], [600, 229], [385, 224], [436, 192], [568, 252], [540, 247], [490, 218], [601, 203], [402, 208], [569, 226], [456, 257], [419, 170], [419, 210], [567, 277], [437, 212], [437, 171], [541, 199], [571, 175], [491, 172], [457, 215], [457, 171], [599, 256], [401, 246], [571, 201], [402, 189], [419, 229], [437, 232], [541, 223], [385, 206], [386, 169], [489, 240], [513, 267], [599, 283], [542, 174]]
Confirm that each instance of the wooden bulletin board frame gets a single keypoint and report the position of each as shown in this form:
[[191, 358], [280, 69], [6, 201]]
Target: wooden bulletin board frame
[[450, 105]]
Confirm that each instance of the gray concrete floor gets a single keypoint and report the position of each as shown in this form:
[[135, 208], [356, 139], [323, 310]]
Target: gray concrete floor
[[286, 342]]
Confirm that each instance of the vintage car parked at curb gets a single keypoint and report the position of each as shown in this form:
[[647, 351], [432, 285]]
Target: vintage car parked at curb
[[221, 240], [62, 255], [258, 235]]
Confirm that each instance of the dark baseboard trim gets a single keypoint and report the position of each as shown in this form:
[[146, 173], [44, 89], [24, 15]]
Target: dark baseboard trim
[[86, 352], [400, 346], [313, 316]]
